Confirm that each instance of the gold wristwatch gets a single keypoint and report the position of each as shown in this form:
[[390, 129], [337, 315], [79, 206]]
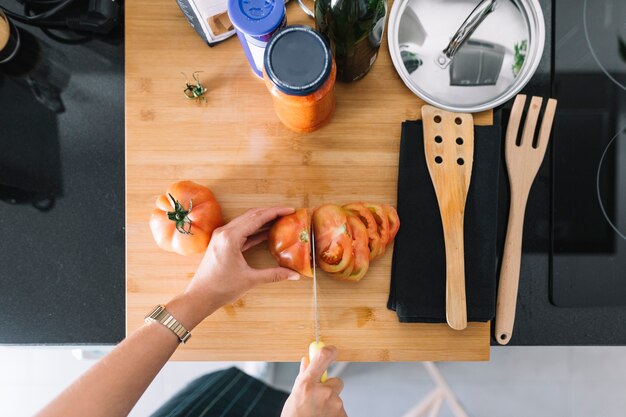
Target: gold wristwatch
[[161, 315]]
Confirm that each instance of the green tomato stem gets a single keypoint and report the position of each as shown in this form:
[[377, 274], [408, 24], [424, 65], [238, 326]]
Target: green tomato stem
[[180, 216]]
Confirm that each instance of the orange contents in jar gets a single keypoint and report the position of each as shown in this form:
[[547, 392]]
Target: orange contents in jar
[[305, 113], [300, 74]]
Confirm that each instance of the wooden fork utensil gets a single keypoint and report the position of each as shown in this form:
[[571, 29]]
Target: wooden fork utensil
[[449, 150], [523, 159]]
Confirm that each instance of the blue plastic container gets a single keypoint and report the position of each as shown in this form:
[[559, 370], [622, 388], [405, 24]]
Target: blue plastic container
[[255, 22]]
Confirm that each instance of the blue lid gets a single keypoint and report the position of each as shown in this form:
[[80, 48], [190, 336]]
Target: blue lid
[[256, 17], [297, 60]]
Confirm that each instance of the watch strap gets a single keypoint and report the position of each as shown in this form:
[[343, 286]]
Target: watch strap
[[161, 315]]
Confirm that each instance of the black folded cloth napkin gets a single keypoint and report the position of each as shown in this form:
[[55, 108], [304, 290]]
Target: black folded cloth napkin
[[418, 277]]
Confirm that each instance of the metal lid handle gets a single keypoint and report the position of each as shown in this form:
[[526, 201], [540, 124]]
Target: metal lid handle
[[306, 9], [465, 31]]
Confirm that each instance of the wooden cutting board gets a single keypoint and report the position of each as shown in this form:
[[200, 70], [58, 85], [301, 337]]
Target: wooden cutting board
[[235, 145]]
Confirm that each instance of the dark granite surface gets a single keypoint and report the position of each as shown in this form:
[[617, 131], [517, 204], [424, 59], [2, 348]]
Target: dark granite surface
[[62, 264], [62, 277]]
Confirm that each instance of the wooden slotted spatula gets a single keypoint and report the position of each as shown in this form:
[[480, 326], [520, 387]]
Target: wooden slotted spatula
[[522, 163], [449, 148]]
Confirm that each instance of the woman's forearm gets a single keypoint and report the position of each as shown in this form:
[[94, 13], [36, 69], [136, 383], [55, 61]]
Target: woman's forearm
[[113, 386]]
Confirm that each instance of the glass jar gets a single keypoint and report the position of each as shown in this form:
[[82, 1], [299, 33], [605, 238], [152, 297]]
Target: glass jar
[[300, 74]]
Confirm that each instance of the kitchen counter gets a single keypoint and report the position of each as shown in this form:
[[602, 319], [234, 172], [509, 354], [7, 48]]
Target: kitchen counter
[[235, 145], [63, 276]]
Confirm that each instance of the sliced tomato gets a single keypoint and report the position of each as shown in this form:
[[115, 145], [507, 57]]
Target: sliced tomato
[[366, 217], [290, 241], [360, 246], [383, 225], [333, 243], [394, 221]]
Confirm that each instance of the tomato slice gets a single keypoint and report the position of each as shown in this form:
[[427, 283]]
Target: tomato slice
[[383, 225], [333, 243], [394, 221], [290, 241], [360, 246], [366, 217]]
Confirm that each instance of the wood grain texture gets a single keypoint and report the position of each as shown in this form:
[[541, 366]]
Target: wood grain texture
[[449, 152], [235, 145], [522, 163]]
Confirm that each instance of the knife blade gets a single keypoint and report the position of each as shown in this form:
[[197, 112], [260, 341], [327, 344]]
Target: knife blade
[[316, 345], [317, 324]]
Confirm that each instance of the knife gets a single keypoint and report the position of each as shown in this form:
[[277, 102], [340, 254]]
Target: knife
[[316, 345]]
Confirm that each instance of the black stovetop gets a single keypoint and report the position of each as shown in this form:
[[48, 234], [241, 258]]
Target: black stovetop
[[62, 192], [589, 154], [561, 302]]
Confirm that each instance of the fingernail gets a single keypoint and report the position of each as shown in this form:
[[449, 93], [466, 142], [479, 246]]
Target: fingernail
[[294, 276]]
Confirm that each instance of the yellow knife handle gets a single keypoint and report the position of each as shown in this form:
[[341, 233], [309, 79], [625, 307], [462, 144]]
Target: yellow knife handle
[[314, 350]]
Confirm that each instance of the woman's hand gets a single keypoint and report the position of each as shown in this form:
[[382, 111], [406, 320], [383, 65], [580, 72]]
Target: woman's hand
[[309, 397], [224, 275], [113, 386]]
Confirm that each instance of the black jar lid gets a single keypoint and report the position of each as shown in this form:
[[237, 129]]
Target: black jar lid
[[297, 60]]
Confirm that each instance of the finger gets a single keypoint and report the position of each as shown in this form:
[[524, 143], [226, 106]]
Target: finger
[[255, 240], [320, 363], [304, 362], [268, 225], [261, 276], [242, 217], [335, 384], [252, 221]]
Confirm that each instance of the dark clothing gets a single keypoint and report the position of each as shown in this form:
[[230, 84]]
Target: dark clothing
[[226, 393]]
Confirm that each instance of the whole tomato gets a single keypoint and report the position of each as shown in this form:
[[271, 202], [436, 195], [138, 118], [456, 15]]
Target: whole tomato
[[290, 241], [185, 217]]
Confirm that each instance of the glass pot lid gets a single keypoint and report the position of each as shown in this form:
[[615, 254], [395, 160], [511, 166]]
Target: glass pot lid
[[466, 55]]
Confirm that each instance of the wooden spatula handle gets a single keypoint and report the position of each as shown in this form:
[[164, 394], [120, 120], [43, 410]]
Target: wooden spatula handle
[[510, 269], [456, 309]]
